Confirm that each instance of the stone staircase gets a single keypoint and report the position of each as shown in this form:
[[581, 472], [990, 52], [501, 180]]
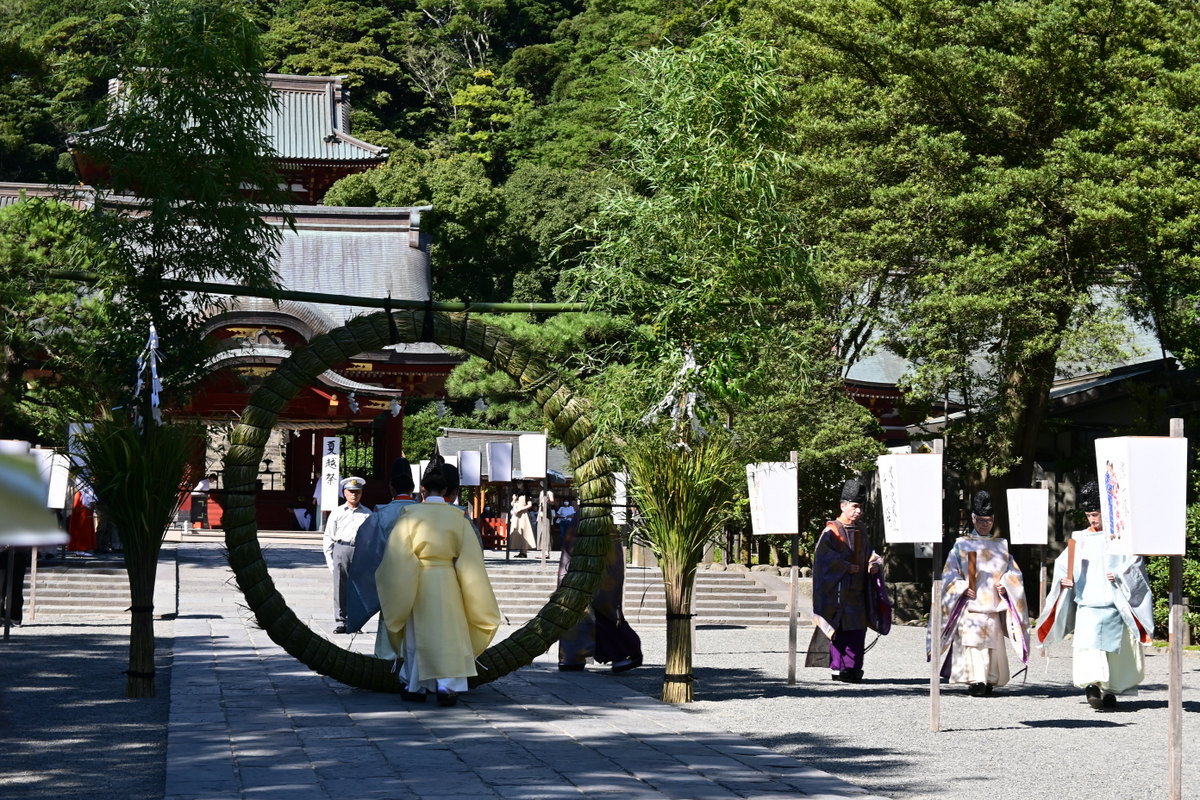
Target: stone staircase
[[98, 586], [721, 598], [78, 586]]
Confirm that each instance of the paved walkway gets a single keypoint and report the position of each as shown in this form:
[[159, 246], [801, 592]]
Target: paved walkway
[[248, 721]]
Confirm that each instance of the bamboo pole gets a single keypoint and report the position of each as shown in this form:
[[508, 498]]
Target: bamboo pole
[[1175, 660], [325, 298]]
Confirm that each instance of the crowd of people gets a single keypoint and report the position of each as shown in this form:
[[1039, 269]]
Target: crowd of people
[[417, 561]]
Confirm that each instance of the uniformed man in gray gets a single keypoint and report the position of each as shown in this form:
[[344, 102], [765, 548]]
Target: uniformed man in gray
[[341, 529]]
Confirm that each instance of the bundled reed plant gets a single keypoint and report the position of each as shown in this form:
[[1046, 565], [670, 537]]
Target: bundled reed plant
[[683, 494], [139, 474]]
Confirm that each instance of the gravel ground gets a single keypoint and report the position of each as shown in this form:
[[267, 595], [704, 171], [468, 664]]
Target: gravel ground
[[66, 728], [68, 731], [1036, 739]]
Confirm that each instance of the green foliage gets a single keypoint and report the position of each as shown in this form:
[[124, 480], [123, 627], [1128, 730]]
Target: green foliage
[[184, 135], [66, 350], [1159, 570], [139, 476], [683, 494], [976, 173]]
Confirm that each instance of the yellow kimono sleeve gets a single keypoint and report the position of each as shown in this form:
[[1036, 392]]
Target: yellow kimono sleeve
[[479, 601], [397, 581]]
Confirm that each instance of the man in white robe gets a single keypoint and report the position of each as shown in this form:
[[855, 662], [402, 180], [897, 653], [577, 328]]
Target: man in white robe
[[983, 603], [1104, 599]]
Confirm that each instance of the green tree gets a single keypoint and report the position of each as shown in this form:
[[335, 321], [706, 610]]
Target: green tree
[[705, 250], [181, 148], [982, 177], [63, 344]]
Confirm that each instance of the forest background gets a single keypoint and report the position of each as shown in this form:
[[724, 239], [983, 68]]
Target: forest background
[[750, 194]]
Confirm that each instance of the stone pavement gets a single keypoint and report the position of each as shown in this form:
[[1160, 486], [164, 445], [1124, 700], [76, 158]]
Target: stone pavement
[[248, 721]]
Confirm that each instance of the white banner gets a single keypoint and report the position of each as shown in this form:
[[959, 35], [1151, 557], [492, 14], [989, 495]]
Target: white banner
[[911, 493], [55, 471], [331, 474], [773, 487], [533, 455], [620, 497], [469, 463], [1143, 494], [499, 456], [1028, 512]]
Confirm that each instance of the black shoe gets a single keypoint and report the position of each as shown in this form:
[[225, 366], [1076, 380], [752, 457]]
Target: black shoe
[[571, 667], [626, 664], [413, 697], [980, 690], [1093, 695], [340, 629], [988, 691], [447, 698], [521, 555], [849, 676], [1109, 700]]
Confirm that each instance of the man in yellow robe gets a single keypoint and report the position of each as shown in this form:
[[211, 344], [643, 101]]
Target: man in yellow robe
[[437, 603]]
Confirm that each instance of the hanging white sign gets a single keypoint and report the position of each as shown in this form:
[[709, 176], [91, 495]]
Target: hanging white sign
[[499, 456], [1143, 494], [533, 455], [469, 467], [910, 486], [773, 505], [331, 476], [1028, 510]]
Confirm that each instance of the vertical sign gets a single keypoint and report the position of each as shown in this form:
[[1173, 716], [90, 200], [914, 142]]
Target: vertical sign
[[533, 455], [1143, 494], [1027, 510], [620, 499], [469, 467], [55, 471], [910, 485], [773, 489], [499, 456], [331, 451]]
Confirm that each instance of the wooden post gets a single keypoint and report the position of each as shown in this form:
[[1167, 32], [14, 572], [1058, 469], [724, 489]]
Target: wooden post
[[793, 611], [935, 627], [1175, 659], [794, 600], [935, 641], [31, 606], [8, 589]]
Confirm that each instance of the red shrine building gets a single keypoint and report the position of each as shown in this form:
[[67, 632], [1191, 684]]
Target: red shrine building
[[366, 252]]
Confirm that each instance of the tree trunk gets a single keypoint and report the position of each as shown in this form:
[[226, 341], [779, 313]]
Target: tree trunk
[[677, 679], [142, 568]]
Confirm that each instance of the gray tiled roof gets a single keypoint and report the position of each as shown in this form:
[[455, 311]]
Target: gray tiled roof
[[365, 252], [312, 123]]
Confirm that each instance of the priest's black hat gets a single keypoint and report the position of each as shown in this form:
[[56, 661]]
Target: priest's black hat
[[981, 506], [402, 479], [853, 491], [1089, 497]]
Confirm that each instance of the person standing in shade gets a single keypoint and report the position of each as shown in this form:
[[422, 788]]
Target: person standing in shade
[[341, 532], [438, 607], [1104, 599], [983, 602], [565, 518], [848, 591]]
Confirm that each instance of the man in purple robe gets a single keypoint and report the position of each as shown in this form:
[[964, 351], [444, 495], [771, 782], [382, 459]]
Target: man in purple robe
[[848, 591]]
